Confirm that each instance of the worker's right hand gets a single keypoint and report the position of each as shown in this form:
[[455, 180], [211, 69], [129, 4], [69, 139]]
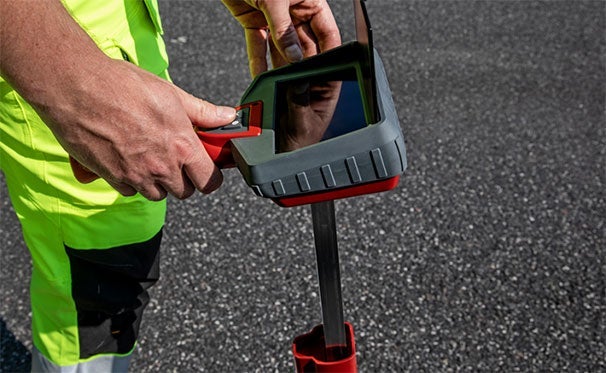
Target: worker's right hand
[[126, 125], [134, 130]]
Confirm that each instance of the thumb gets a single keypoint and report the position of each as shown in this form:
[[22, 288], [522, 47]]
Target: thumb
[[205, 114]]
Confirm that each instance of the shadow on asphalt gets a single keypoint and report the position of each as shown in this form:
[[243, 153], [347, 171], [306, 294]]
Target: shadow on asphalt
[[14, 356]]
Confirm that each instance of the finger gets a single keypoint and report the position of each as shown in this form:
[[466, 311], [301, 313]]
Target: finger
[[188, 187], [277, 59], [181, 188], [282, 29], [309, 42], [134, 183], [153, 192], [325, 28], [175, 182], [204, 114], [122, 188], [256, 48], [214, 182], [236, 7], [203, 173]]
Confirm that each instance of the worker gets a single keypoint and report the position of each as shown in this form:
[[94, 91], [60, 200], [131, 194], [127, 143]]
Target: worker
[[88, 79]]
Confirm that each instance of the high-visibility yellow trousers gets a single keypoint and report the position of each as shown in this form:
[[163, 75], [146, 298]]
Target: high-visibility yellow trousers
[[94, 251]]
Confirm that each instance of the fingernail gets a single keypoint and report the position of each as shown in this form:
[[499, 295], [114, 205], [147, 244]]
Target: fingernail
[[225, 112], [293, 53]]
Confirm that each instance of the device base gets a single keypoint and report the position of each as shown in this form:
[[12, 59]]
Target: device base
[[310, 353]]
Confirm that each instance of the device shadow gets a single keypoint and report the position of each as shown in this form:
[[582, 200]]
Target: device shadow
[[14, 356]]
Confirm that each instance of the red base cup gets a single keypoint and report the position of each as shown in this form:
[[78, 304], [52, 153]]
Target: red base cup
[[312, 356]]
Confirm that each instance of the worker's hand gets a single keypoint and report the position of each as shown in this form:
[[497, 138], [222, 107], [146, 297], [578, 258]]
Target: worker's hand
[[135, 130], [128, 126], [292, 29]]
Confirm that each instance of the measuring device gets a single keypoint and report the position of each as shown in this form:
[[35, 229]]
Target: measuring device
[[317, 130], [311, 132]]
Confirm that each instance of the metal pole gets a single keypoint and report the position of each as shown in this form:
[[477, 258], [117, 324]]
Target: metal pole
[[327, 255]]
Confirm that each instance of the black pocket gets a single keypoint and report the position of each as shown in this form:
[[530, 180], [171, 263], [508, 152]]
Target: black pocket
[[109, 288]]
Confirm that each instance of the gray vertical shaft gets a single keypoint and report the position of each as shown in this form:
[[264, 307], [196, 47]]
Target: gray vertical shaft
[[327, 254]]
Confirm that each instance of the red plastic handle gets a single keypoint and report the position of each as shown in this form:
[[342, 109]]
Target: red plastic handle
[[217, 145]]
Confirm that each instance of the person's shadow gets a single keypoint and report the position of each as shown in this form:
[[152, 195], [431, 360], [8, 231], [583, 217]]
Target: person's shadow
[[14, 356]]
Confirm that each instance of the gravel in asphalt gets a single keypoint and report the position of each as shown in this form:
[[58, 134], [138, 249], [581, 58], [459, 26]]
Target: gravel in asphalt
[[489, 256]]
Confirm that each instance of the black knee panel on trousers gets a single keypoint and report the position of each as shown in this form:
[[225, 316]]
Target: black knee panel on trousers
[[109, 287]]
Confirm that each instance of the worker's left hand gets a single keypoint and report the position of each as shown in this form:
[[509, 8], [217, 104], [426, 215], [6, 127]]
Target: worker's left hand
[[292, 29]]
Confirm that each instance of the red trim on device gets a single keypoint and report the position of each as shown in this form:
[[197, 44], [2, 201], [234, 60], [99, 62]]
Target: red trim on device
[[218, 145], [374, 187]]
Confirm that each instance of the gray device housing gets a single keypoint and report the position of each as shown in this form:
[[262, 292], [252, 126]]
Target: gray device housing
[[373, 153]]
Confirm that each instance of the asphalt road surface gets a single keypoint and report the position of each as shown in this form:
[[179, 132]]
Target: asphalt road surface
[[489, 256]]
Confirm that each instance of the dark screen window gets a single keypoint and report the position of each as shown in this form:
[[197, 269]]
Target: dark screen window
[[317, 108]]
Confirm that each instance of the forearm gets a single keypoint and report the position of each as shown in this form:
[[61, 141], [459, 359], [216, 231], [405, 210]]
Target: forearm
[[127, 125], [43, 51]]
